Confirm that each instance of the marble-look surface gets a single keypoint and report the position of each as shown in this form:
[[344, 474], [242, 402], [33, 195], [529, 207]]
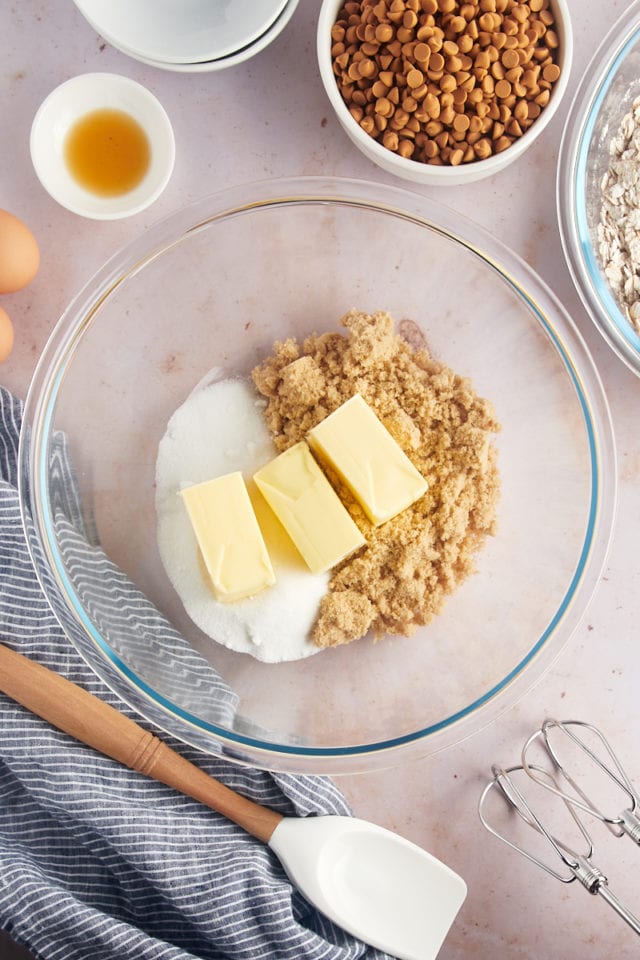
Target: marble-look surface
[[269, 117]]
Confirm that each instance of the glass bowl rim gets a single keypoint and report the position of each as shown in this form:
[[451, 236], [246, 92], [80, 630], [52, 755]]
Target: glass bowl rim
[[425, 212]]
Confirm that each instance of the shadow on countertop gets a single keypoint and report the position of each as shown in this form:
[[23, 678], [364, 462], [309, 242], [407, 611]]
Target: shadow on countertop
[[10, 950]]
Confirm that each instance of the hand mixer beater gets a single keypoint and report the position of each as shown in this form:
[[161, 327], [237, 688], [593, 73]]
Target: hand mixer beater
[[514, 785]]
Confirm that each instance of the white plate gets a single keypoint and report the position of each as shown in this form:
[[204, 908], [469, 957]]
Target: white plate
[[180, 31]]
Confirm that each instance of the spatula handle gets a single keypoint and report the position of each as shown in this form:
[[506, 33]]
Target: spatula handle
[[92, 721]]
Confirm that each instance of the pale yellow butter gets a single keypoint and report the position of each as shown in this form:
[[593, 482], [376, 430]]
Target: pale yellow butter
[[229, 537], [309, 509], [363, 452]]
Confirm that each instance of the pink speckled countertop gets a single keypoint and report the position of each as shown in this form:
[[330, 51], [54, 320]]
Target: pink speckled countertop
[[269, 117]]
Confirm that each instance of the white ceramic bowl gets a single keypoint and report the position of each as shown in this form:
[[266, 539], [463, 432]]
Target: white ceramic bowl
[[240, 45], [74, 99], [425, 173], [187, 32]]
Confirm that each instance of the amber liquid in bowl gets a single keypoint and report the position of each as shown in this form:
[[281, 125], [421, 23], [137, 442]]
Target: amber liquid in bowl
[[107, 152]]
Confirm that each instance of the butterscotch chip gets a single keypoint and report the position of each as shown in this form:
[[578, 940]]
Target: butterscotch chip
[[501, 143], [406, 148], [510, 59], [414, 79], [461, 122], [551, 72]]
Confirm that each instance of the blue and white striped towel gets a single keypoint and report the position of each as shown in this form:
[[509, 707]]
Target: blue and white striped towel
[[98, 862]]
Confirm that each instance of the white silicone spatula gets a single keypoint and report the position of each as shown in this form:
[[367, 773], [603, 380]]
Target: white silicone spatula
[[381, 888]]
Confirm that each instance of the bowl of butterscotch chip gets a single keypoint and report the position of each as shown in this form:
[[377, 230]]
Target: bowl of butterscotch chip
[[444, 91]]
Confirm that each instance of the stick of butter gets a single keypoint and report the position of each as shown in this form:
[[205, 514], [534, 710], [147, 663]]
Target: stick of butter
[[308, 508], [363, 452], [229, 537]]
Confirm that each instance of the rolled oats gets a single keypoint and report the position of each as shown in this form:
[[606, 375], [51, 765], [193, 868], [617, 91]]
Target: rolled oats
[[618, 232]]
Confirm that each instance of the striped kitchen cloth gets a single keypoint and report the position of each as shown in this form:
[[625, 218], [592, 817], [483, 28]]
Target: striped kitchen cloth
[[98, 862]]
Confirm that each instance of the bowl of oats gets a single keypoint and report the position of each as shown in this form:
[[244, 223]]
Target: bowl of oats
[[331, 507], [598, 188]]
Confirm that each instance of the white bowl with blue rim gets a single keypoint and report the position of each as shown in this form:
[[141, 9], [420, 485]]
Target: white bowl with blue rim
[[608, 89]]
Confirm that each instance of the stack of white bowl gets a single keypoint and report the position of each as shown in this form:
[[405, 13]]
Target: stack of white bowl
[[190, 35]]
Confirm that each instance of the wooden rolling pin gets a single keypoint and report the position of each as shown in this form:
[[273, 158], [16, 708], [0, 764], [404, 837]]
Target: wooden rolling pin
[[90, 720]]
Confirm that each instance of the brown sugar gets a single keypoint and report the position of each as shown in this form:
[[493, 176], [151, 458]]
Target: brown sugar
[[411, 564]]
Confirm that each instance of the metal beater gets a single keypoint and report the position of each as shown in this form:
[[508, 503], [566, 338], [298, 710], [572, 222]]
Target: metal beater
[[551, 733], [577, 865]]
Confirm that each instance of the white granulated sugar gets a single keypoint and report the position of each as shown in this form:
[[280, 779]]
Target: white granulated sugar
[[619, 226], [217, 430]]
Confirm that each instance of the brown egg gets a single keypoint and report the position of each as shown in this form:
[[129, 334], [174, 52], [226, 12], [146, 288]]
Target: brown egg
[[6, 335], [19, 254]]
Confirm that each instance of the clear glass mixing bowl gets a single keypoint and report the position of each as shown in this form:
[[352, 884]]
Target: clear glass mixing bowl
[[214, 286]]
